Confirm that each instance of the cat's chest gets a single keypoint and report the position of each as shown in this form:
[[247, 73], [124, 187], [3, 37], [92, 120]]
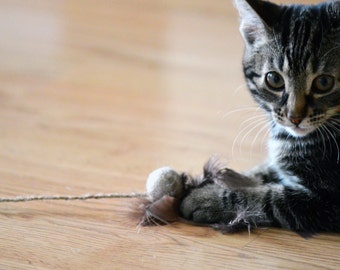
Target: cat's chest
[[286, 151], [307, 153], [304, 164]]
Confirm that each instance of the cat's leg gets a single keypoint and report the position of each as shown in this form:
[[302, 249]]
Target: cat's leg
[[269, 204], [224, 207]]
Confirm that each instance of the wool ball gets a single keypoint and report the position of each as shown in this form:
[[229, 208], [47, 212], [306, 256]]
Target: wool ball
[[164, 181]]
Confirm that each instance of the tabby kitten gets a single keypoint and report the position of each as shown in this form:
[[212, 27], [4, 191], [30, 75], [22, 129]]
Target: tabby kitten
[[292, 68]]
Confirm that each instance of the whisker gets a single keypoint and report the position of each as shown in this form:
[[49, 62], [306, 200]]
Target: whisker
[[245, 108], [256, 125], [329, 132], [250, 119], [320, 135], [265, 137], [336, 47], [270, 127], [240, 87], [265, 127], [248, 129], [248, 125], [335, 125]]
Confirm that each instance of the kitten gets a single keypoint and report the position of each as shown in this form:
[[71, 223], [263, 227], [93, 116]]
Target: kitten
[[292, 68]]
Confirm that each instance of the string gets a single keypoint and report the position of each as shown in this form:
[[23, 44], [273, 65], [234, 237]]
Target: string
[[84, 197]]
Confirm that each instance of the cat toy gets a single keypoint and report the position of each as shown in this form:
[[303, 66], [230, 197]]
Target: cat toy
[[165, 189]]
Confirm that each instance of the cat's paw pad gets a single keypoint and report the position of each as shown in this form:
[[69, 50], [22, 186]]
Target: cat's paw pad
[[205, 205], [232, 227]]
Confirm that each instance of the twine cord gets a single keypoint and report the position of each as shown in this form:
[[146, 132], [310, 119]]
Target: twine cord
[[84, 197]]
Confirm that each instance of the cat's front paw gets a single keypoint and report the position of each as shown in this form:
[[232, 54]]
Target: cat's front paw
[[205, 205]]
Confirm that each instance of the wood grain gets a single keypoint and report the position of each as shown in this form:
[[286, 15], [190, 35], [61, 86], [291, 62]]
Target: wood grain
[[96, 94]]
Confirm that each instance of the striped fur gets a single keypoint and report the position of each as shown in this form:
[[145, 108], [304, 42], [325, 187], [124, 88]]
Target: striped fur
[[299, 187]]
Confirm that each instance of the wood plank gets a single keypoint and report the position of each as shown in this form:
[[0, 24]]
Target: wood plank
[[96, 94]]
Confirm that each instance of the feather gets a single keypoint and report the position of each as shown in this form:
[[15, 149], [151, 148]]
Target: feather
[[160, 212], [218, 172]]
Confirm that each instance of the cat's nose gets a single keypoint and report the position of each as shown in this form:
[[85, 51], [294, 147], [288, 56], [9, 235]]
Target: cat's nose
[[296, 120]]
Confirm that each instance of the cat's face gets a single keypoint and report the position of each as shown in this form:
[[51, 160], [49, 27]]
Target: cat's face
[[292, 63]]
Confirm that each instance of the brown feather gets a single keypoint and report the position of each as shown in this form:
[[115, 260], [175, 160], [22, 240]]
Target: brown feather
[[217, 171], [161, 212]]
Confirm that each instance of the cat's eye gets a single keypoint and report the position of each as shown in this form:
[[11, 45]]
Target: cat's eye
[[323, 84], [275, 81]]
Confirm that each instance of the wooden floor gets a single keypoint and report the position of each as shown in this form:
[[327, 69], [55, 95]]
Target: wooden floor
[[96, 94]]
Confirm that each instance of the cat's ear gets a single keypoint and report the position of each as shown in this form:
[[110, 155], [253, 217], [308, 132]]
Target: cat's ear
[[257, 19]]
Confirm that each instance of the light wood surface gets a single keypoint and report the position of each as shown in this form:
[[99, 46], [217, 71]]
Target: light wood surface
[[96, 94]]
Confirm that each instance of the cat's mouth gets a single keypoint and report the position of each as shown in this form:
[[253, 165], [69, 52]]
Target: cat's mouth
[[298, 131], [295, 129]]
